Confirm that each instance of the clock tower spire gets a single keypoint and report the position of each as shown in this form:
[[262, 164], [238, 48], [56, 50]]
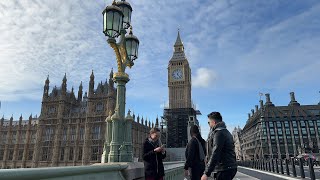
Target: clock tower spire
[[179, 77]]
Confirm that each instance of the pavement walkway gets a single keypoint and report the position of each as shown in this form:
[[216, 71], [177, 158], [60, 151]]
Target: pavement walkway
[[242, 176]]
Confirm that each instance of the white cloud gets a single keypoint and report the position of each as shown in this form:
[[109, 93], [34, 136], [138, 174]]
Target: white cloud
[[38, 38], [204, 77]]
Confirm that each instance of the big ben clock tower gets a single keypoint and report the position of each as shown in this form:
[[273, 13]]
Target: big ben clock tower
[[180, 112], [179, 78]]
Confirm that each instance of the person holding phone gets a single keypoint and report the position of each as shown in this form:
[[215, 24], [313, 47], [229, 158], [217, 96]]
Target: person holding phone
[[153, 154]]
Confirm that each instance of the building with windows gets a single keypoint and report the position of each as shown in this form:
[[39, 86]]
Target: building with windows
[[70, 131], [281, 131]]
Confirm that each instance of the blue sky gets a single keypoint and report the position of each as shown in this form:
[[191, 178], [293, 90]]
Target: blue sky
[[235, 48]]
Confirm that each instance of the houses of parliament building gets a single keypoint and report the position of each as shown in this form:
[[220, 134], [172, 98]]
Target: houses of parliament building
[[70, 130]]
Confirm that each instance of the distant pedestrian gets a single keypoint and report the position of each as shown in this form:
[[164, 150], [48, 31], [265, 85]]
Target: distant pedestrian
[[195, 154], [222, 158], [153, 153]]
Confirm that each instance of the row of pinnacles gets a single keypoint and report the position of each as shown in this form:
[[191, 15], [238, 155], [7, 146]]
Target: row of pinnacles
[[70, 131]]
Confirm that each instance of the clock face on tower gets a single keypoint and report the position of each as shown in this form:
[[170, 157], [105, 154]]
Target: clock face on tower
[[177, 74]]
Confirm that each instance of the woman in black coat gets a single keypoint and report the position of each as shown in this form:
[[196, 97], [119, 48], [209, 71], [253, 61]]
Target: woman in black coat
[[153, 153], [195, 154]]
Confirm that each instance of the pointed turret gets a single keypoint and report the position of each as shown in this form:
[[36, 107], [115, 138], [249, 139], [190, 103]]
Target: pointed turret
[[111, 83], [138, 119], [80, 92], [178, 54], [30, 119], [46, 88], [91, 84], [178, 45], [2, 120], [64, 84], [157, 122], [20, 120], [134, 116], [11, 119]]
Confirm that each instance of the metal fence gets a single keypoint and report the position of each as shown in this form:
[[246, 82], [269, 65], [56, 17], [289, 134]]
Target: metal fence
[[282, 166]]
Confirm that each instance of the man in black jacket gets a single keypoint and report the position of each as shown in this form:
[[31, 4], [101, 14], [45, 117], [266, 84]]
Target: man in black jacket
[[153, 153], [222, 157]]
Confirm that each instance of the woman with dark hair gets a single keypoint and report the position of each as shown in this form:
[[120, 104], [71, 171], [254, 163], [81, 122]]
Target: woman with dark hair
[[195, 154], [153, 153]]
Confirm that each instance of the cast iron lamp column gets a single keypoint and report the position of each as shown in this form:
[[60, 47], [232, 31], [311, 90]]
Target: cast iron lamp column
[[116, 19]]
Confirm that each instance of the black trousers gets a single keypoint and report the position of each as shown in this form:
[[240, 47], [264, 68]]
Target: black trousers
[[197, 171], [226, 175]]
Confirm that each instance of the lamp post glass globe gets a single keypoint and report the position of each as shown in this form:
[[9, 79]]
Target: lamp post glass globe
[[126, 10], [132, 46], [112, 21]]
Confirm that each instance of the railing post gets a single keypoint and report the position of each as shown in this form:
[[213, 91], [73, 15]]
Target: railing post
[[269, 163], [266, 165], [293, 167], [312, 175], [272, 163], [277, 168], [301, 168], [287, 167], [281, 166]]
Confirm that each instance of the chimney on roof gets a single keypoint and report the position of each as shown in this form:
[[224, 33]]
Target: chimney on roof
[[293, 100], [252, 111], [256, 108], [268, 101], [261, 104], [249, 115]]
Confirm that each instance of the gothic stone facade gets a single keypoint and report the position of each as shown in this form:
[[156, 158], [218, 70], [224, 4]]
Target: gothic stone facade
[[237, 146], [281, 131], [69, 132]]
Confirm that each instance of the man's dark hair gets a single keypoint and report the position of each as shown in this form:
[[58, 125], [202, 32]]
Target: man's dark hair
[[154, 130], [216, 116]]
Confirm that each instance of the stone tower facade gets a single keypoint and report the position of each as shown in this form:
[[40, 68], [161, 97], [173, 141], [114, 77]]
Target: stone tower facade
[[180, 109], [70, 130], [179, 78]]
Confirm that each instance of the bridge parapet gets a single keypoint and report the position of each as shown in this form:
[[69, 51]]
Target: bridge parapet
[[117, 171]]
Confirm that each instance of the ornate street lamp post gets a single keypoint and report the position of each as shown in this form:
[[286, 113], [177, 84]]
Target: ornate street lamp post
[[116, 19]]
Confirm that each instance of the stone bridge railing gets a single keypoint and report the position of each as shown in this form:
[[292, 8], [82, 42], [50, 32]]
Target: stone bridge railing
[[115, 171]]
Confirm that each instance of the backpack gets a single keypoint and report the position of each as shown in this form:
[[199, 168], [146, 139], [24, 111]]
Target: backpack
[[201, 152]]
